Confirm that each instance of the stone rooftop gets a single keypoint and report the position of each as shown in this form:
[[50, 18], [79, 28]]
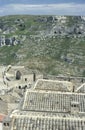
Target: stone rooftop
[[49, 105], [54, 101], [33, 121]]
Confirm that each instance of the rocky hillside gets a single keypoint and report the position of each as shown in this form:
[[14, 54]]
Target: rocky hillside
[[48, 44]]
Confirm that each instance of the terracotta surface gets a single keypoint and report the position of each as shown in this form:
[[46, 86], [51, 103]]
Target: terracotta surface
[[2, 117]]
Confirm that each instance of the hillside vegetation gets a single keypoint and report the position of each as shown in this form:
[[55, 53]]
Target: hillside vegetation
[[47, 44]]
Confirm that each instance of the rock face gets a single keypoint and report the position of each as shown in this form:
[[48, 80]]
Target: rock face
[[8, 41], [39, 26]]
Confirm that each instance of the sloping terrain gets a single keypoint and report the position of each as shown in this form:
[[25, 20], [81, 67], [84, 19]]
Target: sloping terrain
[[48, 44]]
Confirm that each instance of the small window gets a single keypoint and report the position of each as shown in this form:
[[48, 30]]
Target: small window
[[0, 98], [7, 124], [25, 86], [25, 79], [19, 87], [75, 105], [4, 124]]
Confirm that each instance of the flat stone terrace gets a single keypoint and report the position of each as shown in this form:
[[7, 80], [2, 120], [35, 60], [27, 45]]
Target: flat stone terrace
[[53, 85], [54, 101]]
